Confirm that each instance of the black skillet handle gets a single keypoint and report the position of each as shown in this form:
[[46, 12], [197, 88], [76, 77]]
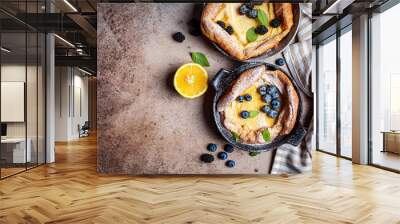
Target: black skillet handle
[[297, 135], [221, 74]]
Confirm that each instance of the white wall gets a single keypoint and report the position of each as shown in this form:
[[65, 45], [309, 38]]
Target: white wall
[[33, 127], [71, 102]]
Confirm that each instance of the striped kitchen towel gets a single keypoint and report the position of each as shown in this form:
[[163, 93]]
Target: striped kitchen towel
[[291, 159]]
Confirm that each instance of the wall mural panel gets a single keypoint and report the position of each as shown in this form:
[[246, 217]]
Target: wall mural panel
[[165, 106]]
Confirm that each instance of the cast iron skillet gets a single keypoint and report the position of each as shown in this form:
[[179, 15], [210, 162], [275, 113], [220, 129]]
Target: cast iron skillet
[[282, 44], [223, 80]]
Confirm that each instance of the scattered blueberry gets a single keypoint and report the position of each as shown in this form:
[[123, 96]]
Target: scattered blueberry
[[240, 99], [244, 9], [179, 37], [221, 24], [248, 97], [207, 158], [273, 113], [261, 29], [280, 61], [262, 90], [252, 13], [276, 104], [275, 22], [266, 109], [230, 163], [244, 114], [228, 148], [229, 30], [267, 98], [222, 155], [212, 147]]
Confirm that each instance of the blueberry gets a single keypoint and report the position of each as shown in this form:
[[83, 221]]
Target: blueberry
[[275, 23], [261, 29], [262, 90], [178, 37], [249, 5], [280, 61], [230, 163], [244, 9], [276, 104], [240, 99], [273, 113], [272, 89], [221, 24], [229, 30], [248, 97], [212, 147], [228, 148], [275, 95], [252, 13], [266, 109], [244, 114], [267, 98], [207, 158], [222, 155]]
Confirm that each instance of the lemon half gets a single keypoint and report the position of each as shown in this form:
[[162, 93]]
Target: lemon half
[[191, 80]]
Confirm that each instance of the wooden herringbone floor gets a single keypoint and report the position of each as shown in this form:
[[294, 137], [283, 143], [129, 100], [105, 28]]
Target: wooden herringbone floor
[[70, 191]]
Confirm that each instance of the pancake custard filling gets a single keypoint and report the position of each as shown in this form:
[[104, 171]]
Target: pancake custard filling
[[260, 106], [246, 30]]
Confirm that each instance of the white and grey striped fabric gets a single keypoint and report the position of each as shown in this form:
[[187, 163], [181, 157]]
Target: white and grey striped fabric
[[297, 159]]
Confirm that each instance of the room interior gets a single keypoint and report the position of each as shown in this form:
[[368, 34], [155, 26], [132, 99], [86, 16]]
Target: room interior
[[52, 77]]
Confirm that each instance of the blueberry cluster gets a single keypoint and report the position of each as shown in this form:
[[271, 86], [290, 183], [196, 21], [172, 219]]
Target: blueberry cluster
[[227, 28], [248, 10], [246, 97], [209, 158], [270, 95]]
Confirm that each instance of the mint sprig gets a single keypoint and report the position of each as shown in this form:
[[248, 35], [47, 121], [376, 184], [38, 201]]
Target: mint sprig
[[251, 35], [262, 17], [266, 136], [254, 153], [253, 114], [200, 58]]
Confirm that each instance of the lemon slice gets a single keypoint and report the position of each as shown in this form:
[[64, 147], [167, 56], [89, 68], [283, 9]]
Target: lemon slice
[[191, 80]]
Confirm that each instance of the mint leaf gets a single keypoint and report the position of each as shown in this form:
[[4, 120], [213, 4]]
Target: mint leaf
[[235, 136], [266, 135], [253, 153], [262, 17], [200, 59], [251, 35], [253, 114]]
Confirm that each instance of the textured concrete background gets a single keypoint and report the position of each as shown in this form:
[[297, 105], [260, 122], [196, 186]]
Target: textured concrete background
[[144, 126]]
